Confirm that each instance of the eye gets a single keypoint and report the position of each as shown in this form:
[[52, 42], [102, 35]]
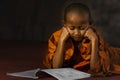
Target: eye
[[72, 27], [82, 27], [79, 27]]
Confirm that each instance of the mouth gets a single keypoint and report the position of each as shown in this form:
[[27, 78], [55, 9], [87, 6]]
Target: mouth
[[77, 38]]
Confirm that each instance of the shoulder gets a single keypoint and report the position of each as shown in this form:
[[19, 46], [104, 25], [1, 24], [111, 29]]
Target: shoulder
[[55, 36], [57, 33]]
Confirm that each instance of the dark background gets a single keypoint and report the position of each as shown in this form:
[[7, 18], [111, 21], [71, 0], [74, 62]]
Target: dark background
[[36, 20], [26, 25]]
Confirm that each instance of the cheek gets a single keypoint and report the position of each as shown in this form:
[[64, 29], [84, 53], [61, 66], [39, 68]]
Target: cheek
[[81, 31], [71, 32]]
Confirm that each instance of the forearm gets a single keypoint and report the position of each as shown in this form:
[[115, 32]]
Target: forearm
[[58, 55], [94, 53]]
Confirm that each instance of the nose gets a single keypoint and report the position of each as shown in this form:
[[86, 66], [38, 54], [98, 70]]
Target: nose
[[77, 32]]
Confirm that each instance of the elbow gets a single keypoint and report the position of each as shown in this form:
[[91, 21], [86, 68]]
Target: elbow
[[54, 67], [56, 64]]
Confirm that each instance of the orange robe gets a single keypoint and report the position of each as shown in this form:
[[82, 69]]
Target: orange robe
[[109, 57]]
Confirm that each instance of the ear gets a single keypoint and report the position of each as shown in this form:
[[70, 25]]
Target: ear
[[63, 21]]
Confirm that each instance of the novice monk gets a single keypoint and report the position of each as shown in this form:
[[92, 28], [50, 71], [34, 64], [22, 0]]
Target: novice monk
[[78, 45]]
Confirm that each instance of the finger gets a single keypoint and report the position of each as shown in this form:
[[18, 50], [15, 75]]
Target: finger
[[85, 30], [65, 25], [66, 28]]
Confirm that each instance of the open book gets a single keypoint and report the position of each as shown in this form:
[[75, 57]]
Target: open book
[[60, 74], [26, 74]]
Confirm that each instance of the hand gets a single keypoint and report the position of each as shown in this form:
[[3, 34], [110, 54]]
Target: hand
[[94, 47], [81, 65], [91, 34], [64, 35]]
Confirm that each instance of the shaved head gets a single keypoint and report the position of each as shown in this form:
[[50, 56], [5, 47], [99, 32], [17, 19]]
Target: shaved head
[[76, 18], [77, 10]]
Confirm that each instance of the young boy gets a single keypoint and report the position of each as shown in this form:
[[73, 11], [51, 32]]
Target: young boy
[[78, 45]]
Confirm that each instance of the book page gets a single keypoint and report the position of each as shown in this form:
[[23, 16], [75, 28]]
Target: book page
[[66, 73], [26, 74]]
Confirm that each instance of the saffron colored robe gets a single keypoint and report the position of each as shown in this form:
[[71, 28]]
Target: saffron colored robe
[[108, 61]]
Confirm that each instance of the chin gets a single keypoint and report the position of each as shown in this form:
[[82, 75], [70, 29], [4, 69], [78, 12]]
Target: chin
[[77, 39]]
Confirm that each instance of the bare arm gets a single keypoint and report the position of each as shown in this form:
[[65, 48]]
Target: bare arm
[[94, 53], [94, 50], [59, 53]]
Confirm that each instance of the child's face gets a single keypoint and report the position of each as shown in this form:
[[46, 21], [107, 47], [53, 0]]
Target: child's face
[[76, 24]]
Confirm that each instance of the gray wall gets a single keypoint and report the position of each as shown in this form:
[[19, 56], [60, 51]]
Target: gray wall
[[36, 20]]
